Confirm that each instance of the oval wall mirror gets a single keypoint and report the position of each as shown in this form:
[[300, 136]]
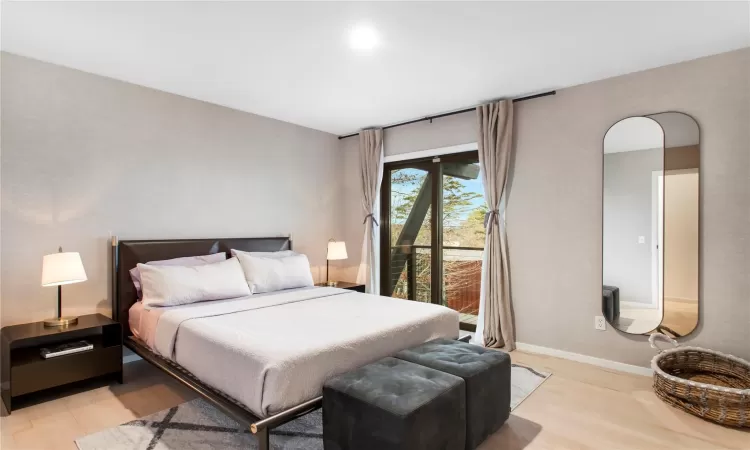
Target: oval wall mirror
[[650, 219]]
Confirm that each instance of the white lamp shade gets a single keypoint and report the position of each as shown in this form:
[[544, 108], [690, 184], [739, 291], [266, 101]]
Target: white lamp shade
[[62, 268], [336, 250]]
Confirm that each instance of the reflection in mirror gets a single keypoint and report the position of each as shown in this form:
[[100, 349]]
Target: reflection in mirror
[[650, 224], [632, 256], [681, 222]]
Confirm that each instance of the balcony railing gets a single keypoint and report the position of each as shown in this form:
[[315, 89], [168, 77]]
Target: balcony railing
[[462, 275]]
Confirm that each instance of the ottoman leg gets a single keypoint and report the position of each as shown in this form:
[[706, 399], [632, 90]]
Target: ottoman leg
[[263, 439]]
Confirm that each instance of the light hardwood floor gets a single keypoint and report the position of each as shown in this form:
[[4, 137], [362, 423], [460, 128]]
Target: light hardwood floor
[[587, 407], [579, 407]]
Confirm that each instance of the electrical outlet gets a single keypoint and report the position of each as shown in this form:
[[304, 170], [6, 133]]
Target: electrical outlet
[[599, 323]]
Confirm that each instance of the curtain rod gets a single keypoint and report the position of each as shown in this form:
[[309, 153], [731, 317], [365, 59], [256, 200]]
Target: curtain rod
[[453, 113]]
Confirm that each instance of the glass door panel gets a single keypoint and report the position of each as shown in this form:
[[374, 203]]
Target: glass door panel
[[432, 238], [463, 210], [410, 252]]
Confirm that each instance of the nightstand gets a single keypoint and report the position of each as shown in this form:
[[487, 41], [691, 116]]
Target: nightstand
[[25, 371], [346, 285]]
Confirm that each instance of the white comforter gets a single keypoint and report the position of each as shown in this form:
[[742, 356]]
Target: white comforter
[[276, 351]]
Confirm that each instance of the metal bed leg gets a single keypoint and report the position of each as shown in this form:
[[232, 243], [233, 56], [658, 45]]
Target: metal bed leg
[[263, 439]]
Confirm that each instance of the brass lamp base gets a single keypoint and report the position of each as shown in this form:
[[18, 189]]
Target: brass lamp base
[[61, 321], [332, 283]]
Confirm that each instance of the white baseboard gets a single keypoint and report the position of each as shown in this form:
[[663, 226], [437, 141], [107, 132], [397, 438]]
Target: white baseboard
[[636, 305], [607, 364], [681, 299]]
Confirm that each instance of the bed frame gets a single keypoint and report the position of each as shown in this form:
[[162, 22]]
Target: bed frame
[[127, 254]]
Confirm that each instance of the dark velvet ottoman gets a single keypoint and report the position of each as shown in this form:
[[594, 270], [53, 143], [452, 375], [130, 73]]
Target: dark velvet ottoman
[[393, 404], [487, 377]]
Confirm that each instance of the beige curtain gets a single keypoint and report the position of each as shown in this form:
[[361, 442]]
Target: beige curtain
[[495, 322], [371, 171]]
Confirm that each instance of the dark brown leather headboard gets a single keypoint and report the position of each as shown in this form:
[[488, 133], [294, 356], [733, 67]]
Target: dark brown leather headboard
[[127, 254]]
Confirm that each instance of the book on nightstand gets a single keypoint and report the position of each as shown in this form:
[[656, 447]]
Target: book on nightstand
[[66, 349]]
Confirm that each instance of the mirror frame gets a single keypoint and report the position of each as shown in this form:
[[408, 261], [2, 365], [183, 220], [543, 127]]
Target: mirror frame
[[661, 328]]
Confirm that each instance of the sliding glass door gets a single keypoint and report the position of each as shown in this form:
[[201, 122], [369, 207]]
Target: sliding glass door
[[432, 238]]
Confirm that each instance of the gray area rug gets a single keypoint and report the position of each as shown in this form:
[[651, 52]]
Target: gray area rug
[[198, 425]]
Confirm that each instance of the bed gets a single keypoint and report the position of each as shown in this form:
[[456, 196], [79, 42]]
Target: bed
[[263, 359]]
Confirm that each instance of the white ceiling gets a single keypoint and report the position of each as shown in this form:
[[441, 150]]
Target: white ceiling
[[291, 61]]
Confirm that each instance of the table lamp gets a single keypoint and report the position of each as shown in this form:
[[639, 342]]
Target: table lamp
[[58, 269], [336, 251]]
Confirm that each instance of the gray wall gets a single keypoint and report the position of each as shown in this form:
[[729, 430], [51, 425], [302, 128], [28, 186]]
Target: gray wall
[[555, 201], [445, 132], [84, 156], [626, 216]]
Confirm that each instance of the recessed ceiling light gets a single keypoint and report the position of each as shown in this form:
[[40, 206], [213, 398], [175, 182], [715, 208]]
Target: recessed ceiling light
[[363, 37]]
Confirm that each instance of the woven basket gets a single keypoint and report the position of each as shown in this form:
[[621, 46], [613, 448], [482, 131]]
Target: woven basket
[[706, 383]]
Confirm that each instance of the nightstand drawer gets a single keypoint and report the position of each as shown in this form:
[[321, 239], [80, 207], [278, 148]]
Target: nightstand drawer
[[46, 373]]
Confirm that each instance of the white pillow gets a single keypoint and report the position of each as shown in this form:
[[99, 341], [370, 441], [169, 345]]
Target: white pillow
[[279, 254], [180, 285], [135, 274], [276, 273]]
